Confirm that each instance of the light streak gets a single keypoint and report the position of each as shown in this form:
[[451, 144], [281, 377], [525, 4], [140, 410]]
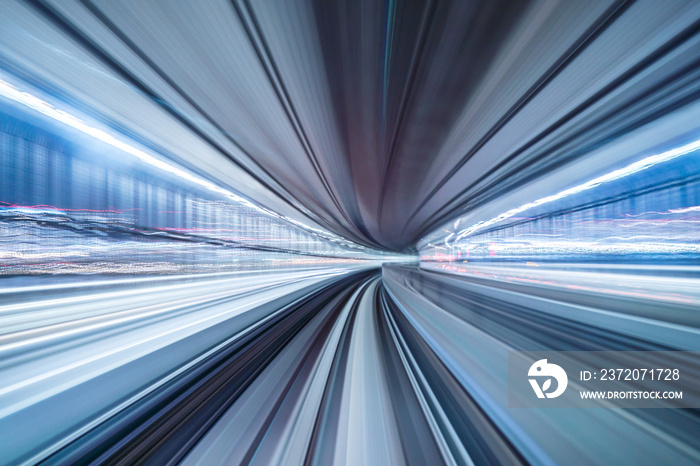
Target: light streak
[[33, 102], [695, 208], [630, 169]]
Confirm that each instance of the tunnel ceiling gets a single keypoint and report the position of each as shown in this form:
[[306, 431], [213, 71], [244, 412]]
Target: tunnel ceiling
[[379, 120]]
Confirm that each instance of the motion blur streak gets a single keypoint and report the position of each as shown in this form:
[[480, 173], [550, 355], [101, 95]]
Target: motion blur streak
[[291, 232]]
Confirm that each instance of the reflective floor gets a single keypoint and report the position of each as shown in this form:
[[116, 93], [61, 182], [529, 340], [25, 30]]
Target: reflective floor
[[398, 365]]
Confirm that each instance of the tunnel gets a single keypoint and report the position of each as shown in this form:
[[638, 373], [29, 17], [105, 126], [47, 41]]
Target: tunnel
[[349, 232]]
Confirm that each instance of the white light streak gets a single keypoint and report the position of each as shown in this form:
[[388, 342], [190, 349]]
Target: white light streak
[[631, 169], [695, 208], [10, 92]]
